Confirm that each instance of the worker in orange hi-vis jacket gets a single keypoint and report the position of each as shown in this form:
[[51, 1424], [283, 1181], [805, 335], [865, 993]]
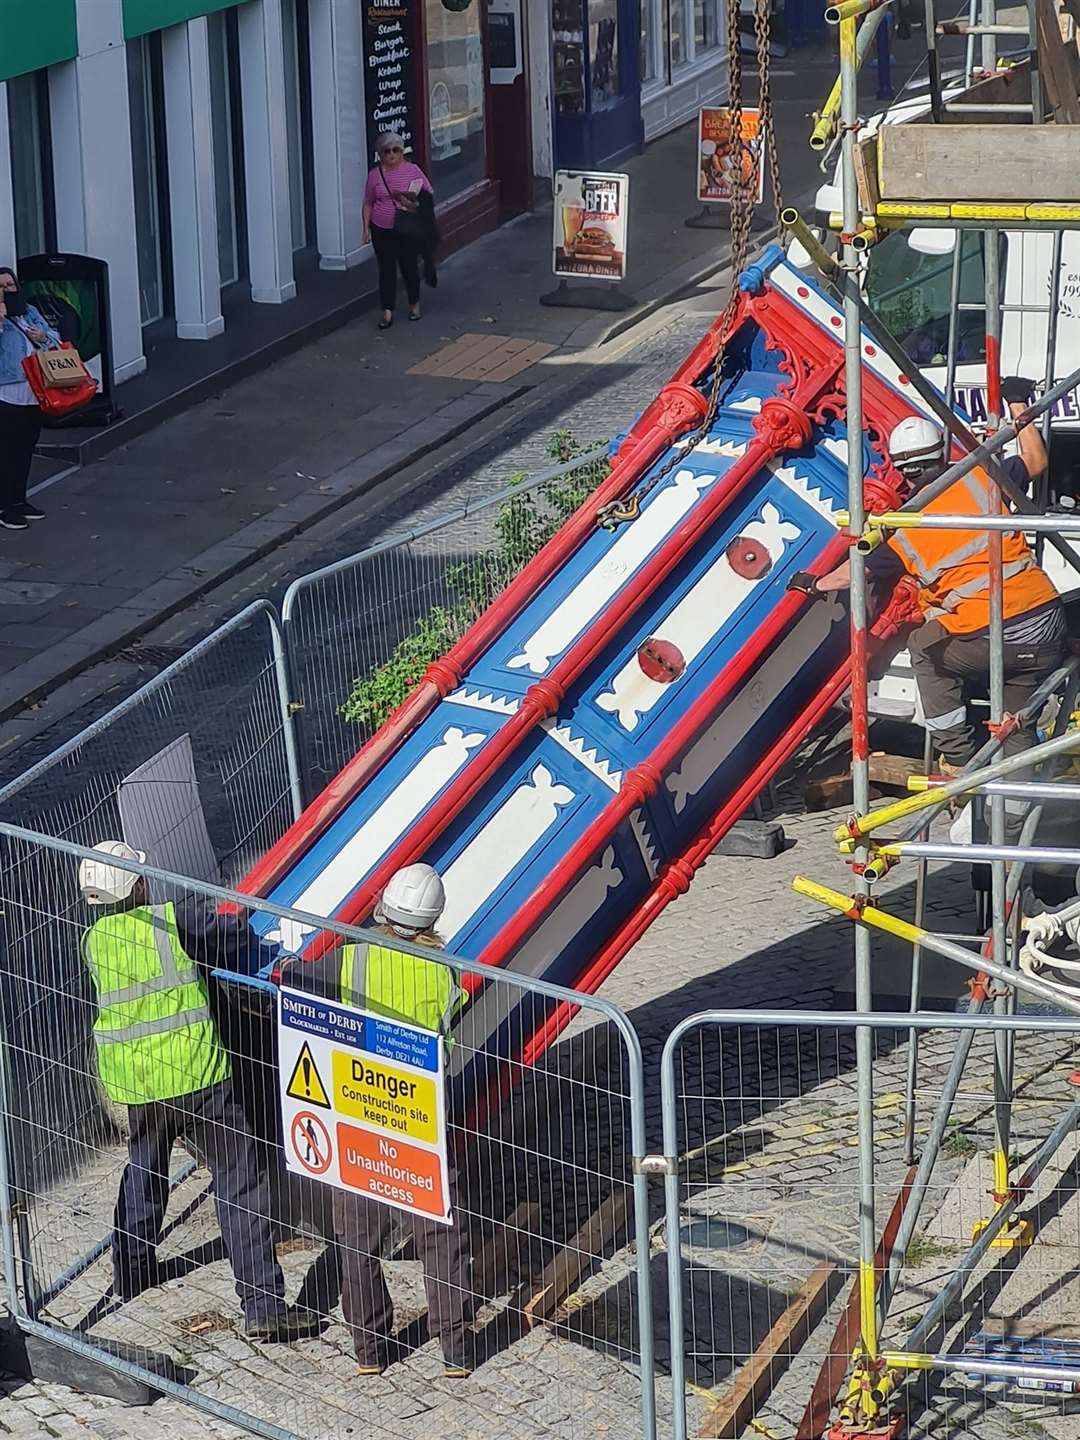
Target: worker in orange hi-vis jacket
[[950, 653]]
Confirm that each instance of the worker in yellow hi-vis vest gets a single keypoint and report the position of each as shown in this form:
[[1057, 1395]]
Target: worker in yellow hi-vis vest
[[388, 981], [159, 1053]]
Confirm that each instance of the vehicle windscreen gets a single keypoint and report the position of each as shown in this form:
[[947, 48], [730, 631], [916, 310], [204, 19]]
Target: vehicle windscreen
[[911, 292]]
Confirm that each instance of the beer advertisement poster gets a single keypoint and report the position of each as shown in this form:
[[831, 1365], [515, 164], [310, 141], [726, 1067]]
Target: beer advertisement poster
[[721, 153], [590, 224]]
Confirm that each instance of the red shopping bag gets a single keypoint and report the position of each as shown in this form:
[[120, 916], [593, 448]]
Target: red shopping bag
[[55, 399]]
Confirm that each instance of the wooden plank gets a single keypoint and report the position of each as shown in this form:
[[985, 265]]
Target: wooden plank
[[1030, 1329], [501, 1251], [1058, 65], [838, 1358], [893, 770], [976, 162], [759, 1376], [866, 175], [601, 1235]]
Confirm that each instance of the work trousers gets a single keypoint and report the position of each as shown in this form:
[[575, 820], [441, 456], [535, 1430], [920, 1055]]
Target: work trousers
[[948, 668], [362, 1226], [218, 1130], [20, 426], [394, 251]]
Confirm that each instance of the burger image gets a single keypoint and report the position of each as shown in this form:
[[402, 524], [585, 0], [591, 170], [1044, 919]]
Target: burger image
[[594, 243]]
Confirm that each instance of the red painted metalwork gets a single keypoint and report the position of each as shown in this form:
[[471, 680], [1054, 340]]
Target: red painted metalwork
[[813, 392], [677, 409], [544, 697], [838, 1356], [674, 879], [645, 779]]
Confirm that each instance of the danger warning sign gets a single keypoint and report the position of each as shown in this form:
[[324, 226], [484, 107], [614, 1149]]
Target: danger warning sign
[[380, 1087], [305, 1082]]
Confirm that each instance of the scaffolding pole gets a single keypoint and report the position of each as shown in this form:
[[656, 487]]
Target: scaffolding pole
[[867, 1402]]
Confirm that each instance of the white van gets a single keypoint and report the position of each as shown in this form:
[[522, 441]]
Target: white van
[[908, 281]]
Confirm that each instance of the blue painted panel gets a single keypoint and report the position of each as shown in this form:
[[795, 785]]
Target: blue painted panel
[[444, 718]]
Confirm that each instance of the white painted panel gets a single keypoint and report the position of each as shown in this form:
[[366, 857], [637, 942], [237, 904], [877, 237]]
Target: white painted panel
[[387, 823], [594, 590], [712, 749], [700, 616], [488, 859]]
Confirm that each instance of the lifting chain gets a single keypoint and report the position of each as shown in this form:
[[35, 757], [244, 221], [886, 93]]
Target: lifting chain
[[620, 511]]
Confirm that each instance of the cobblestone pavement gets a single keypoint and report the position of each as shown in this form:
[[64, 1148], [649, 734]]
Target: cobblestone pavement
[[767, 1129]]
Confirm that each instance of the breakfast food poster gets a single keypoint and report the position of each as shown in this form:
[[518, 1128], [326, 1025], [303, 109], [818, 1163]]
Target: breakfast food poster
[[590, 224], [721, 153]]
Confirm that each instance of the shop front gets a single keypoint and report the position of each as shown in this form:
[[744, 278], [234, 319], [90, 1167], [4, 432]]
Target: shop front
[[596, 82], [452, 83], [683, 61]]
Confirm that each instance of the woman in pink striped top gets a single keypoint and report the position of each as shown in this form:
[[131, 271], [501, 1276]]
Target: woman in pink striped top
[[394, 184]]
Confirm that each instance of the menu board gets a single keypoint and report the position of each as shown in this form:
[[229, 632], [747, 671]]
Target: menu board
[[590, 224], [724, 156], [389, 70]]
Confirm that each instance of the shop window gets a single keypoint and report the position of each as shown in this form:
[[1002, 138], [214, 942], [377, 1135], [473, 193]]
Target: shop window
[[603, 50], [568, 24], [706, 25], [675, 31], [226, 123], [298, 122], [455, 64], [31, 163], [648, 59], [149, 167]]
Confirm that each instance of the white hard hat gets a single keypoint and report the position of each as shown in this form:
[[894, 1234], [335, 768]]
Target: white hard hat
[[103, 884], [916, 443], [413, 900]]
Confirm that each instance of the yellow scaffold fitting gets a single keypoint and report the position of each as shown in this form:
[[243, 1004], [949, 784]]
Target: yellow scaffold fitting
[[1017, 1235], [867, 223], [881, 861], [874, 532], [907, 1360], [878, 866], [869, 542], [850, 10], [856, 908], [917, 784], [825, 122], [862, 825]]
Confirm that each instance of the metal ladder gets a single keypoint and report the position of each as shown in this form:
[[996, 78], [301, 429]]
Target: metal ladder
[[987, 28]]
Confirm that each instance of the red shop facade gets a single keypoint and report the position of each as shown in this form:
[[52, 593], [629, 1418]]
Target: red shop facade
[[451, 77]]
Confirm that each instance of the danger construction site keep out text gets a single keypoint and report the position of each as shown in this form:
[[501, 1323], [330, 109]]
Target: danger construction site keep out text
[[384, 1096]]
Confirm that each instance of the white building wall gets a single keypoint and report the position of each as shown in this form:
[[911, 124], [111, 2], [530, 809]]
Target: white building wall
[[339, 131], [95, 196], [192, 215], [538, 51], [266, 152], [7, 197]]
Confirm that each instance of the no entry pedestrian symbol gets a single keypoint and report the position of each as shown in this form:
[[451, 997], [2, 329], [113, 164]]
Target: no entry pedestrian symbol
[[305, 1082], [311, 1143]]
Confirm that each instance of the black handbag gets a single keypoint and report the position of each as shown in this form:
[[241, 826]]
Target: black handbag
[[409, 224]]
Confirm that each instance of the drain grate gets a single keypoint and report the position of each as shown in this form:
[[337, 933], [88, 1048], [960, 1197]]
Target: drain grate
[[157, 655]]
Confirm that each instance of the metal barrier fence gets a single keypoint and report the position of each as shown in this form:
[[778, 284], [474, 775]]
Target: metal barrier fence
[[226, 789], [763, 1205], [397, 606], [540, 1151]]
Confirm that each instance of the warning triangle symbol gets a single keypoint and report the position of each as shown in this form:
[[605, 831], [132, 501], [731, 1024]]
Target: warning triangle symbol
[[305, 1082]]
